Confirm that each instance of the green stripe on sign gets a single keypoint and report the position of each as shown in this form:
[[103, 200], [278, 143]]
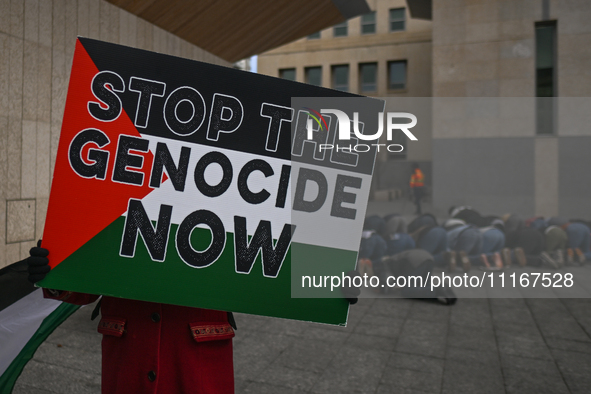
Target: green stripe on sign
[[215, 287], [49, 324]]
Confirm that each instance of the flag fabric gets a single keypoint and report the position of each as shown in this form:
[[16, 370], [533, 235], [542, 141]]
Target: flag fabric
[[26, 320]]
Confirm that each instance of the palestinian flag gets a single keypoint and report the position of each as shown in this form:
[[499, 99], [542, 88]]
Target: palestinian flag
[[173, 183], [26, 320]]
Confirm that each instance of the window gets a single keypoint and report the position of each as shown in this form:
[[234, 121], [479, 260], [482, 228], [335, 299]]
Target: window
[[340, 77], [288, 73], [397, 19], [397, 75], [368, 77], [368, 23], [314, 36], [545, 59], [545, 76], [314, 75], [340, 30]]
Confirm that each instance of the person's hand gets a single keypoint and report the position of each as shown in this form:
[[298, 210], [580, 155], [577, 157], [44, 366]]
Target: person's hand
[[38, 263], [350, 291]]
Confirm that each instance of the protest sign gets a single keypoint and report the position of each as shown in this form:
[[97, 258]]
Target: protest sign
[[173, 183]]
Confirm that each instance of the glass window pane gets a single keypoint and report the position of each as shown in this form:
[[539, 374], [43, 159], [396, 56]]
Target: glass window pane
[[545, 59], [397, 75], [340, 78], [545, 77], [314, 36], [397, 13], [397, 26], [368, 23], [397, 19], [340, 30], [544, 47], [368, 18], [368, 77], [288, 73], [545, 82], [314, 76], [368, 29]]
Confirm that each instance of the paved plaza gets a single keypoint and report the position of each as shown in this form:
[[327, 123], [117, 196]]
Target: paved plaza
[[390, 345]]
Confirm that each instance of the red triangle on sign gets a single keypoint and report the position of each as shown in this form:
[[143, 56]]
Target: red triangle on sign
[[79, 208]]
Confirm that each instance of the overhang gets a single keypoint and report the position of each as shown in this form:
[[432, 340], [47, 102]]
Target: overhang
[[236, 29], [420, 9]]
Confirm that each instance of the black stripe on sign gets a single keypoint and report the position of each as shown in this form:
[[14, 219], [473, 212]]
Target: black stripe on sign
[[176, 112]]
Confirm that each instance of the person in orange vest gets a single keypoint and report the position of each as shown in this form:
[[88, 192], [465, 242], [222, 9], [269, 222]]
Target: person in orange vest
[[417, 186]]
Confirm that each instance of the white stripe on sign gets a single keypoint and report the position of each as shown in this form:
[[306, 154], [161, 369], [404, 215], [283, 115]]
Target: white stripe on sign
[[19, 322], [324, 227], [321, 227], [228, 203]]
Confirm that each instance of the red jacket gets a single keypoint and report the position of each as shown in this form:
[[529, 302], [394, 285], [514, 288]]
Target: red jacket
[[160, 348]]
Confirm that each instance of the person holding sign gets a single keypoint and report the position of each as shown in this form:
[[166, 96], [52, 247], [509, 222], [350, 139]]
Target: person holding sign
[[150, 347], [144, 138]]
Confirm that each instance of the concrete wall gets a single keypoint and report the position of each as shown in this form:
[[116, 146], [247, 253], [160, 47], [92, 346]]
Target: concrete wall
[[493, 160], [494, 175], [574, 177], [487, 47], [484, 48], [37, 40]]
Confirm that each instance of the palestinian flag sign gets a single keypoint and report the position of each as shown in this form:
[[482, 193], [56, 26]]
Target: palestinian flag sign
[[174, 182], [26, 320]]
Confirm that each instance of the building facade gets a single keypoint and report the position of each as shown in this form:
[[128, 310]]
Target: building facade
[[385, 53], [508, 126], [527, 152]]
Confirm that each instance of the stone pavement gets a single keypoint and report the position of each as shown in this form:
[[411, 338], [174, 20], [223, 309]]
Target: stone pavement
[[391, 345]]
